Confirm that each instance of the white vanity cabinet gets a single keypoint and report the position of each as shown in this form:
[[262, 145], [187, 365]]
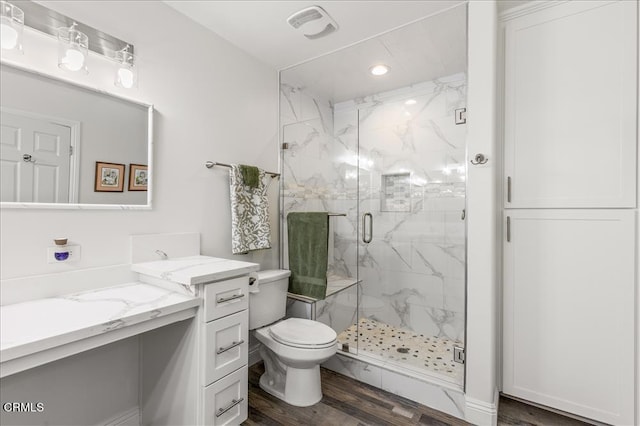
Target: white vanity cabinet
[[225, 338], [196, 373]]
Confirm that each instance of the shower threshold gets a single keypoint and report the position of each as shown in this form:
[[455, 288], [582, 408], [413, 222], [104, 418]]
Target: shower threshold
[[402, 350]]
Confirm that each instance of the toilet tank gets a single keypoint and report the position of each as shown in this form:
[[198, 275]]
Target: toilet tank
[[269, 304]]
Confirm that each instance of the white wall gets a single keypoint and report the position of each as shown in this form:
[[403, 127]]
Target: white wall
[[482, 217], [213, 102]]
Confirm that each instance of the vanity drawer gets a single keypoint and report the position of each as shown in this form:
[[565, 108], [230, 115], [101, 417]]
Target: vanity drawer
[[227, 345], [226, 297], [226, 401]]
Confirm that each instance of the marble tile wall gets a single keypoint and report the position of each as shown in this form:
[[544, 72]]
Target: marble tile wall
[[413, 271]]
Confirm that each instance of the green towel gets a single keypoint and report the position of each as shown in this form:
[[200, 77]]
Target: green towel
[[250, 175], [308, 234]]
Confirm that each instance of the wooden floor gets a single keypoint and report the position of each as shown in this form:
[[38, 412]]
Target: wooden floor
[[349, 402]]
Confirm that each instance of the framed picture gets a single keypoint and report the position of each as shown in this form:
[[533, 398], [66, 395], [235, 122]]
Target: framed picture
[[109, 177], [138, 177]]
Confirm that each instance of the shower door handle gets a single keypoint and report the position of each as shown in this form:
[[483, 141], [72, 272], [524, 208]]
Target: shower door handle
[[367, 239]]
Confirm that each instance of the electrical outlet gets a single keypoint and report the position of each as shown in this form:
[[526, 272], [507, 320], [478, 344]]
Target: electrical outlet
[[74, 253]]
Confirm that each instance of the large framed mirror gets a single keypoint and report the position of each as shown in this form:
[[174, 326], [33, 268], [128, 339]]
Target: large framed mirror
[[67, 146]]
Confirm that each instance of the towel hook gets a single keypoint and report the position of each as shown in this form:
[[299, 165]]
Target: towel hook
[[479, 159]]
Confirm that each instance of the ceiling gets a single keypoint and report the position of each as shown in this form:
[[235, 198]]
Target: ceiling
[[422, 51], [260, 27], [418, 40]]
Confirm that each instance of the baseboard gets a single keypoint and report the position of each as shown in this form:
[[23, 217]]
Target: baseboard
[[482, 413], [254, 356], [128, 418]]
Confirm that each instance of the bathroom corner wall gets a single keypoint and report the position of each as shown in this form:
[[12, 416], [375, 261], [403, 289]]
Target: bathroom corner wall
[[482, 230], [213, 102]]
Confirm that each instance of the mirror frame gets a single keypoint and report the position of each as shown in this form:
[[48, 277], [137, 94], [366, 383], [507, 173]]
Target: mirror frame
[[79, 206]]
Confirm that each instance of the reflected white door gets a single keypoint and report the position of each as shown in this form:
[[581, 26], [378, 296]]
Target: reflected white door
[[35, 159]]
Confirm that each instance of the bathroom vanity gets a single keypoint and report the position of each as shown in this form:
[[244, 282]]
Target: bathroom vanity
[[195, 372], [190, 316]]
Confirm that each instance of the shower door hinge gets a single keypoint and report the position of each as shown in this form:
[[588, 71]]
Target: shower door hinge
[[285, 145], [458, 354], [461, 116], [71, 150]]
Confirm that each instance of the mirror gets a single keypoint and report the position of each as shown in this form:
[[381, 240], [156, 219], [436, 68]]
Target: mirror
[[63, 145]]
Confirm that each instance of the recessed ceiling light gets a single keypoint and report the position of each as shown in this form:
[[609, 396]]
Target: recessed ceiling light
[[411, 102], [379, 69]]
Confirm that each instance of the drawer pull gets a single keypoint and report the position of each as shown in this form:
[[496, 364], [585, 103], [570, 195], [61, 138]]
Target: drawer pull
[[235, 402], [234, 297], [231, 346]]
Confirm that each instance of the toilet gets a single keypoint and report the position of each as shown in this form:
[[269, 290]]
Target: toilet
[[292, 349]]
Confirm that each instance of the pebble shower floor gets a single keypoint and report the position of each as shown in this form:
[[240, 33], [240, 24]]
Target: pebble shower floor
[[427, 354]]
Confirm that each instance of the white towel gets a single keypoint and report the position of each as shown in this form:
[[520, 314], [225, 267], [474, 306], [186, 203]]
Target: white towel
[[250, 229]]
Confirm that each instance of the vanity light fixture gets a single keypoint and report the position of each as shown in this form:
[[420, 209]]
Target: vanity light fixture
[[11, 26], [73, 48], [75, 39], [379, 69], [411, 102], [127, 72]]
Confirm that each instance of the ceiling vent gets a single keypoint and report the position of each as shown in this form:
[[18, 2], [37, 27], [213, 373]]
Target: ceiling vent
[[314, 22]]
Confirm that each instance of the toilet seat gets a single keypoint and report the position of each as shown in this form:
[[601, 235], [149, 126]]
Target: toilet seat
[[303, 333]]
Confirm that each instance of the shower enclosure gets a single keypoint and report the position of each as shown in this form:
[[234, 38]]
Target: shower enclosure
[[387, 156]]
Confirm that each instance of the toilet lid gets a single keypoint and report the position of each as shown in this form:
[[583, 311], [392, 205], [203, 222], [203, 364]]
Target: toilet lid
[[302, 332]]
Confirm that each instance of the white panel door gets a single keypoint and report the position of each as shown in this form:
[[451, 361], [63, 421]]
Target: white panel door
[[568, 324], [570, 106], [44, 176]]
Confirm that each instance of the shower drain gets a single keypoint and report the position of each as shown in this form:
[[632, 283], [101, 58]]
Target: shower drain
[[403, 350]]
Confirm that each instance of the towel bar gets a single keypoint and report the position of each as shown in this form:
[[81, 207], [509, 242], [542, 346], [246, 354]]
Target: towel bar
[[210, 164]]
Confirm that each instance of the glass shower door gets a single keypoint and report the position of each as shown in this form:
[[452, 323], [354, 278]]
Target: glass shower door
[[411, 247]]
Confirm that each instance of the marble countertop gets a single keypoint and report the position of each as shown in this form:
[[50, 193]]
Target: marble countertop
[[38, 325], [194, 270]]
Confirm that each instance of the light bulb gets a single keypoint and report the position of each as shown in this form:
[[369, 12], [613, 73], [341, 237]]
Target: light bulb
[[411, 102], [73, 60], [125, 77], [9, 36], [379, 70]]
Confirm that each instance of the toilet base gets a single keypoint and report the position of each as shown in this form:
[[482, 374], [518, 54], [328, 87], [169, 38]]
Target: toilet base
[[301, 389]]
